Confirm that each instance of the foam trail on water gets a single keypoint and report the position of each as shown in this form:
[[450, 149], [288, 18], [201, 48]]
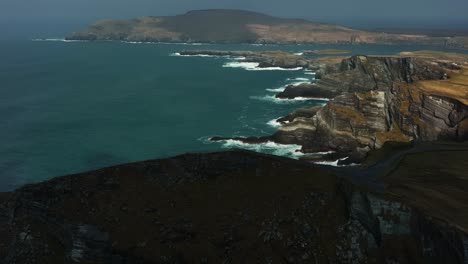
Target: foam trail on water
[[250, 66], [282, 88], [335, 163], [198, 55], [269, 147], [299, 53], [59, 40], [274, 123], [277, 90], [277, 69], [298, 79], [253, 66], [273, 99]]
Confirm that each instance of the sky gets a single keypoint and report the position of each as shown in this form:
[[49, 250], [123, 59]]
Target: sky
[[72, 14]]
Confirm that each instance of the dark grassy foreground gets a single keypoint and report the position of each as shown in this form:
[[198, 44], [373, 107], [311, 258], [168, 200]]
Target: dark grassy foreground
[[241, 207]]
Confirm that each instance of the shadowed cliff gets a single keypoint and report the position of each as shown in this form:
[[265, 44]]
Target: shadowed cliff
[[239, 207]]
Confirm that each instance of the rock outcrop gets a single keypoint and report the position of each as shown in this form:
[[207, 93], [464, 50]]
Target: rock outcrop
[[265, 59], [381, 99], [238, 207]]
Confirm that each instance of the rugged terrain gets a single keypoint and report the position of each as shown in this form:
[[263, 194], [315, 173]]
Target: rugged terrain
[[242, 207], [236, 26], [412, 96]]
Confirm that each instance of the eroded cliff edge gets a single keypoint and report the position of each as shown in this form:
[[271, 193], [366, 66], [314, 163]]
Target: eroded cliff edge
[[239, 207], [409, 97]]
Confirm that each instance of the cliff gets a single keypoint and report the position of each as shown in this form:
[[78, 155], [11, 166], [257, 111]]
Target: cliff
[[381, 99], [236, 26], [237, 207]]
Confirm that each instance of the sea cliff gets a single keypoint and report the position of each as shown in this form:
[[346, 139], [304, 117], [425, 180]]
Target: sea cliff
[[419, 96]]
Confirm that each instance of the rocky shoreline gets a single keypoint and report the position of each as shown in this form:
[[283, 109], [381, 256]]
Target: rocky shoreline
[[265, 59], [407, 203], [419, 96]]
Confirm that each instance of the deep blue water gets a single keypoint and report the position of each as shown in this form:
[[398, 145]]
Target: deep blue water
[[72, 107]]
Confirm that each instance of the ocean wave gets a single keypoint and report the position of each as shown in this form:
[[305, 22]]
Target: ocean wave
[[180, 43], [274, 123], [292, 151], [282, 88], [177, 54], [59, 40], [273, 99], [335, 163], [298, 79], [253, 66], [277, 69], [250, 66], [299, 53], [277, 90]]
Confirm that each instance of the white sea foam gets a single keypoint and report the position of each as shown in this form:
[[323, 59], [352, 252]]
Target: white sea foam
[[274, 123], [177, 54], [134, 42], [250, 66], [299, 53], [277, 90], [335, 163], [297, 79], [59, 40], [282, 88], [273, 99], [324, 153], [253, 66], [181, 43], [277, 69], [310, 73], [331, 163], [269, 147]]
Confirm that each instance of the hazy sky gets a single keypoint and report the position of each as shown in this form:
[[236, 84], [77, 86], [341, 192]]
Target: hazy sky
[[361, 13]]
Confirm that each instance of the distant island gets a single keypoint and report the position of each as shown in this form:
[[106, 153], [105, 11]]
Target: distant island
[[237, 26]]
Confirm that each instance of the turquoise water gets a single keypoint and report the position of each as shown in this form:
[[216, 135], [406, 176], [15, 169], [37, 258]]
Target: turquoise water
[[72, 107]]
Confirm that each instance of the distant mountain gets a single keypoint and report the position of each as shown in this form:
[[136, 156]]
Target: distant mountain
[[237, 26]]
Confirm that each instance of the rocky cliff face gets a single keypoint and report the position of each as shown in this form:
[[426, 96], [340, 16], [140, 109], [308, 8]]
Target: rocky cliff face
[[381, 99], [237, 207]]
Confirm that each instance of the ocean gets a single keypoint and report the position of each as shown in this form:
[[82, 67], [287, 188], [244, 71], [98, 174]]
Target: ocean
[[69, 107]]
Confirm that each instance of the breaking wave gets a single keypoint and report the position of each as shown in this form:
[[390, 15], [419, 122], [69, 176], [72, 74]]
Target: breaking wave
[[59, 40], [274, 123], [291, 151], [253, 66], [273, 99], [334, 163]]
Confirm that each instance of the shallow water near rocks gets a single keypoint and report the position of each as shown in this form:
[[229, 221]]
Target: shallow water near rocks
[[68, 107]]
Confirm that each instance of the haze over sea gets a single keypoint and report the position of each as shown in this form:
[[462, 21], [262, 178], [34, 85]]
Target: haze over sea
[[68, 107]]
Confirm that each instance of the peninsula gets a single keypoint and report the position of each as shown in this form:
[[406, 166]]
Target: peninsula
[[237, 26]]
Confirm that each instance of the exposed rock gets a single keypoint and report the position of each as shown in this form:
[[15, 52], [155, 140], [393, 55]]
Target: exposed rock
[[380, 99], [307, 90], [265, 59]]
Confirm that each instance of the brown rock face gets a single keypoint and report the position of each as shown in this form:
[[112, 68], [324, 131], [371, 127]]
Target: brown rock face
[[382, 99]]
